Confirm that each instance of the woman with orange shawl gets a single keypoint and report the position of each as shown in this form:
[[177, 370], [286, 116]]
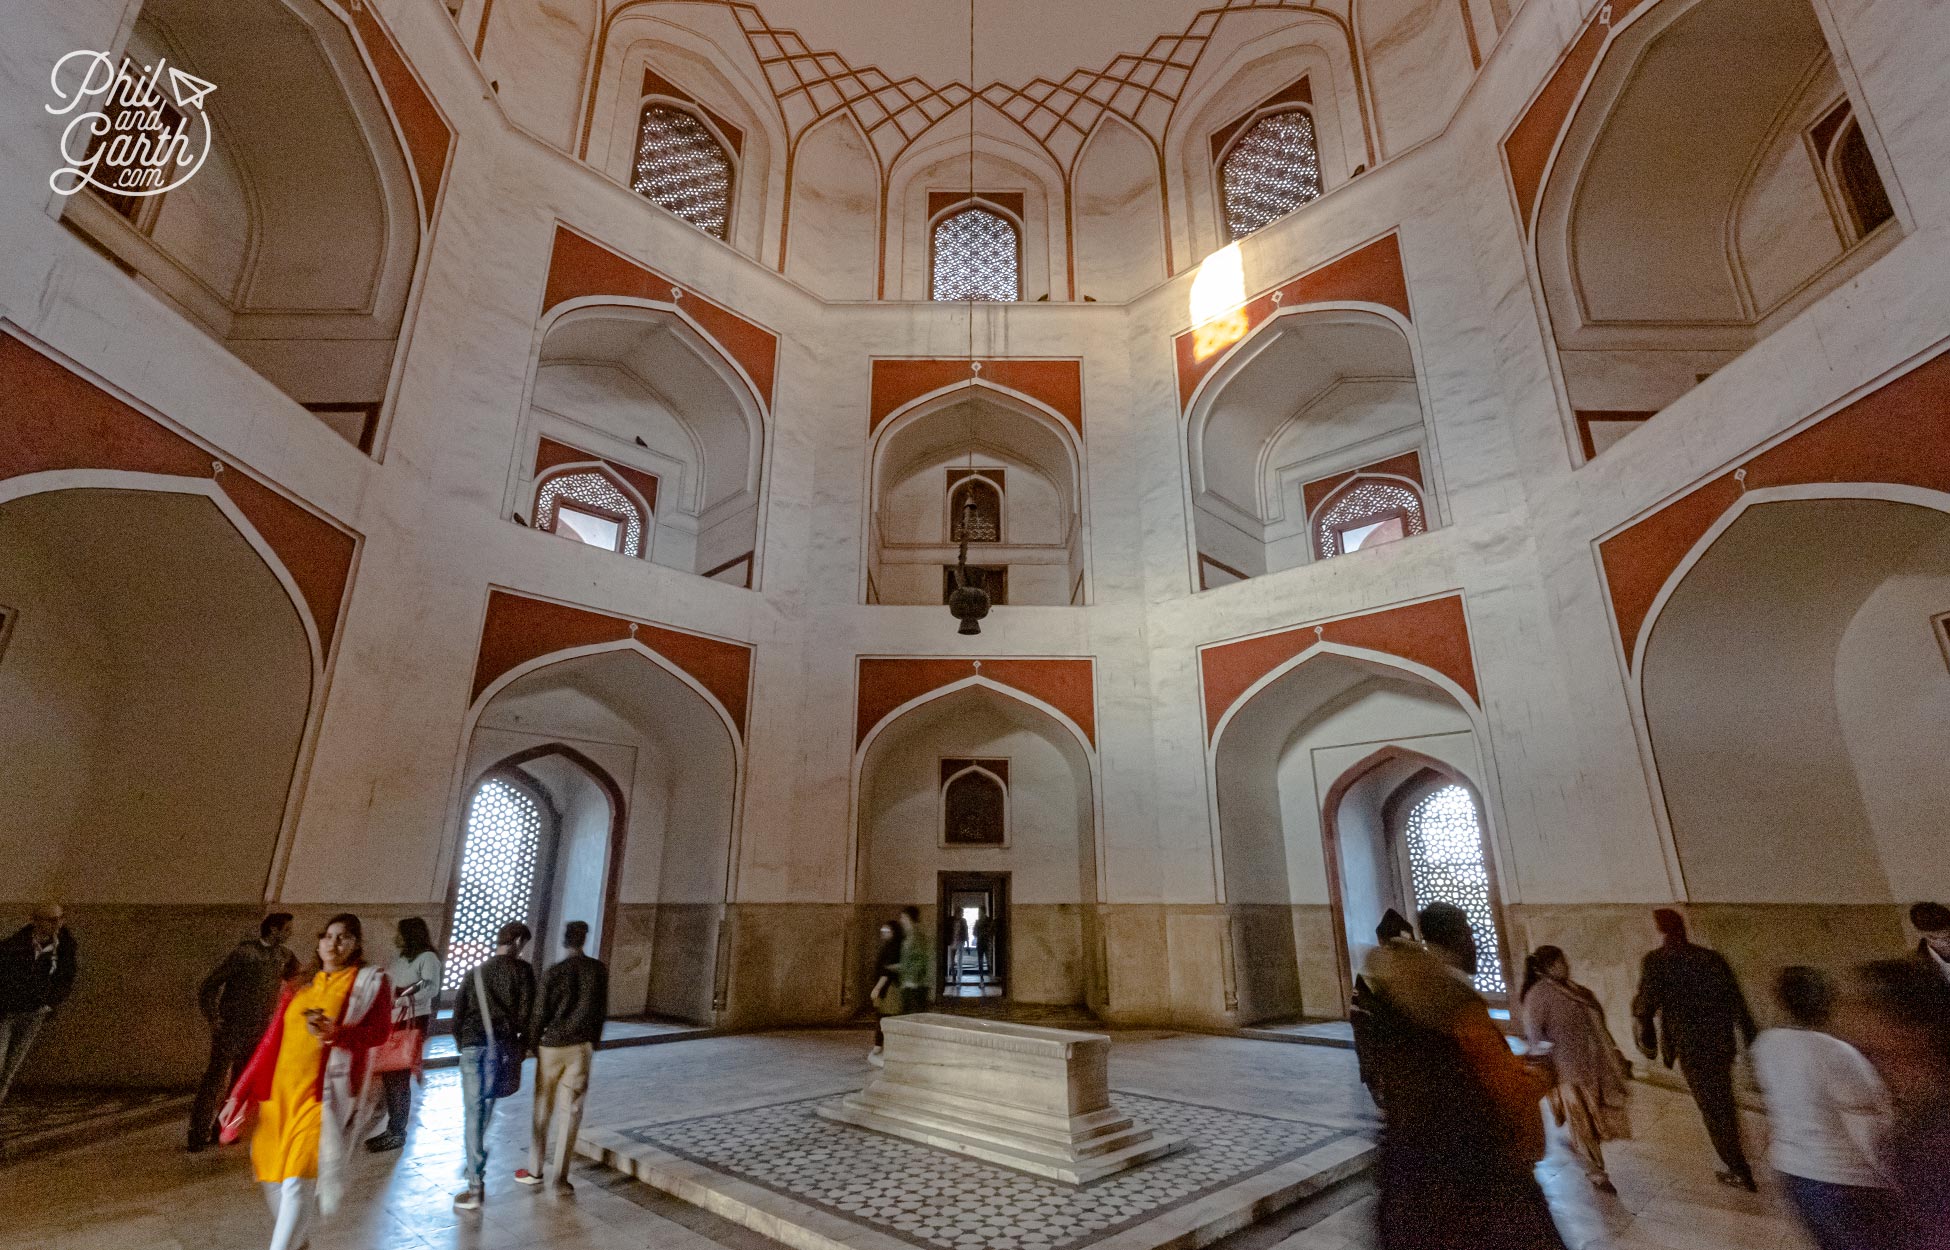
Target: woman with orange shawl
[[309, 1080]]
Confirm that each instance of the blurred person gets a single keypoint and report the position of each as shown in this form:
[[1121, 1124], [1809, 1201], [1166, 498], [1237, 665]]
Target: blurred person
[[886, 978], [1827, 1113], [415, 974], [37, 971], [1394, 927], [1461, 1131], [1689, 1010], [1902, 1025], [1566, 1020], [237, 1000], [309, 1081], [492, 1010], [568, 1022], [1932, 924], [915, 970]]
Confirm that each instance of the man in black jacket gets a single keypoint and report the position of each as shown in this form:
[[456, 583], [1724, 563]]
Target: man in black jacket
[[237, 998], [491, 1047], [1689, 1007], [568, 1023], [37, 968]]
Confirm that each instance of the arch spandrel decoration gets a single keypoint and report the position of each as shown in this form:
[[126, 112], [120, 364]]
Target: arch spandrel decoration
[[99, 431], [429, 139], [518, 629], [1892, 435], [887, 684], [896, 383], [1433, 633]]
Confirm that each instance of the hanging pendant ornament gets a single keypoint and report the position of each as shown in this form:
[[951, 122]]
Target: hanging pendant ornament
[[969, 601]]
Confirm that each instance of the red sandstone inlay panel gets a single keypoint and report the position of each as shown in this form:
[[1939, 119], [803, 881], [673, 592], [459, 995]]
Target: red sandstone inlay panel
[[52, 418], [579, 267], [1408, 465], [1057, 383], [1528, 147], [1371, 274], [549, 453], [1434, 634], [428, 137], [519, 629], [1069, 686], [1896, 434]]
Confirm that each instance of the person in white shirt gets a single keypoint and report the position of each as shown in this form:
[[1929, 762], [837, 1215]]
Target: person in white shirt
[[1932, 924], [415, 974], [1828, 1113]]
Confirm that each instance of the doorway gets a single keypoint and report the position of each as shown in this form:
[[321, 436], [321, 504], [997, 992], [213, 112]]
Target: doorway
[[972, 945]]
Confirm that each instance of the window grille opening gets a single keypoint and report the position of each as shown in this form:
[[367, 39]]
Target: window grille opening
[[498, 859], [590, 508], [984, 525], [1446, 865], [681, 166], [1273, 169], [977, 256], [1367, 513], [973, 807]]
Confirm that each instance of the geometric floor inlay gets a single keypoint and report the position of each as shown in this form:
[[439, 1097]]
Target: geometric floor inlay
[[926, 1197]]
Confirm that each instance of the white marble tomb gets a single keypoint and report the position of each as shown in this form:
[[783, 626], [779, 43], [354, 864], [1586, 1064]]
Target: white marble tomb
[[1031, 1098]]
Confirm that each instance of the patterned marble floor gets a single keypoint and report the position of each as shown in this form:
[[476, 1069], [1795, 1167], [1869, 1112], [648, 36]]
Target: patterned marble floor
[[141, 1192]]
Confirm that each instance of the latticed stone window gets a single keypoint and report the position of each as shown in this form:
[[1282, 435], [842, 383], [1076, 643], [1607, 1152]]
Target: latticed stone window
[[1366, 513], [682, 166], [498, 858], [1273, 169], [1445, 865], [984, 525], [974, 810], [587, 506], [977, 256]]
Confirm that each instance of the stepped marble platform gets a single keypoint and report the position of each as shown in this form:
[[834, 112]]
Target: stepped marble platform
[[1027, 1097]]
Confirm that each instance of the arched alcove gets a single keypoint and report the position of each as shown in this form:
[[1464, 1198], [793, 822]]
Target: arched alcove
[[646, 391], [1278, 434], [1007, 451], [1307, 815], [835, 199], [1796, 696], [1118, 210], [1690, 210], [1011, 177], [906, 854], [156, 682], [295, 245], [568, 727]]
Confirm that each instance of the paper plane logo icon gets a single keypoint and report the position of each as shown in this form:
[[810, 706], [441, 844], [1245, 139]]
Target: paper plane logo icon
[[188, 89]]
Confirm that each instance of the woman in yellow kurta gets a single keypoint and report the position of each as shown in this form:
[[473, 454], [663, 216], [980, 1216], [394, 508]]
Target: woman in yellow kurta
[[309, 1079]]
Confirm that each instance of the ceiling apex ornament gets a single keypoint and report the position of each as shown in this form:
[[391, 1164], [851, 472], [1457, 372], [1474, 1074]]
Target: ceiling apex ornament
[[1740, 476], [978, 665], [632, 629], [1320, 632], [676, 295], [975, 366], [216, 468]]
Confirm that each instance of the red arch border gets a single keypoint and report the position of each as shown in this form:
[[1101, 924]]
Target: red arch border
[[895, 383], [1068, 685]]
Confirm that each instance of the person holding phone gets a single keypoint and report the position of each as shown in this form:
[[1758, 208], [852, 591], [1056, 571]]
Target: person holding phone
[[310, 1081]]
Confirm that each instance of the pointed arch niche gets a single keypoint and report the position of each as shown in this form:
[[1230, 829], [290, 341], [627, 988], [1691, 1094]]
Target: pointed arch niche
[[647, 395], [636, 775], [296, 244], [1008, 454], [1315, 775], [1711, 182], [1308, 442], [1048, 854]]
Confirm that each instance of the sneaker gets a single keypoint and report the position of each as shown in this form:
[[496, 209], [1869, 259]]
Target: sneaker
[[562, 1189], [468, 1199], [525, 1177], [874, 1058], [384, 1142]]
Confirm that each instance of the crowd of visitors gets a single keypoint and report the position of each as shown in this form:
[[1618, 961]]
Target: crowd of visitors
[[1856, 1082]]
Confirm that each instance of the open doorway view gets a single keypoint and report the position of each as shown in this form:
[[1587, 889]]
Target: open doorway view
[[973, 941]]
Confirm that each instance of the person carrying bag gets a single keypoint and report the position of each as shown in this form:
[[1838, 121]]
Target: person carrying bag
[[491, 1028]]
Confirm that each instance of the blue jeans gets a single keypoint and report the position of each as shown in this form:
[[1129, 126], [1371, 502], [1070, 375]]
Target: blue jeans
[[477, 1108], [1843, 1217]]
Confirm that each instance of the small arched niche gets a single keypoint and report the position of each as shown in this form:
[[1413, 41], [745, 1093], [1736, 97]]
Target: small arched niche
[[1797, 697], [645, 391], [1318, 776], [1037, 770], [157, 679], [632, 775], [295, 244], [1307, 443], [1712, 183], [1010, 458]]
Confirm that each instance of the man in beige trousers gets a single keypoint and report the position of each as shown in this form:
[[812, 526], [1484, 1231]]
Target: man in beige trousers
[[569, 1014]]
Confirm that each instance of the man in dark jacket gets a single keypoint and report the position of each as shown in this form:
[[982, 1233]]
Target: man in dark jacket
[[237, 998], [568, 1023], [1689, 1008], [491, 1046], [37, 967]]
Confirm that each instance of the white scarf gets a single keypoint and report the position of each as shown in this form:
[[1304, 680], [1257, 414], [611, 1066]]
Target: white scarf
[[349, 1114]]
